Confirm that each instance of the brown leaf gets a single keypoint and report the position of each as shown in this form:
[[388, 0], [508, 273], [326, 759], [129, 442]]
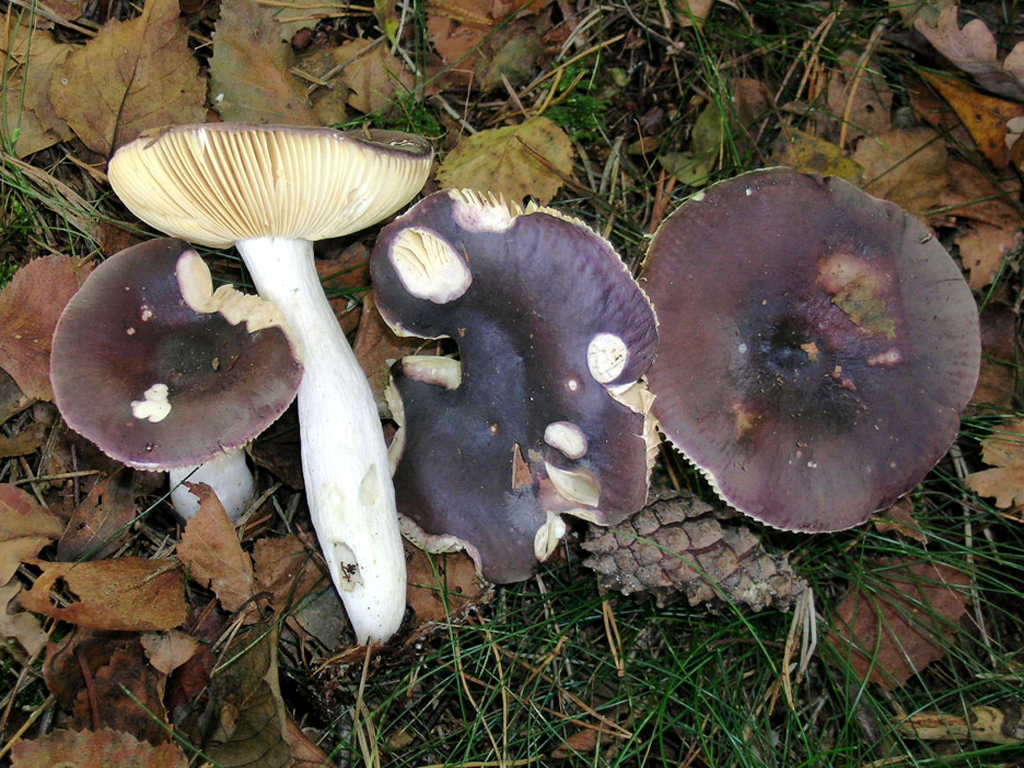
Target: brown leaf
[[167, 651], [31, 58], [373, 74], [984, 117], [249, 77], [103, 677], [126, 593], [19, 625], [997, 380], [899, 518], [105, 747], [25, 528], [133, 76], [902, 623], [973, 49], [861, 93], [24, 442], [907, 166], [506, 162], [982, 251], [1004, 452], [12, 400], [102, 521], [344, 278], [29, 308], [441, 586], [286, 569], [210, 550], [246, 705]]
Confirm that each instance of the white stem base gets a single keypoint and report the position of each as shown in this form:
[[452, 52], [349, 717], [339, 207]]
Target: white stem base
[[344, 457], [228, 475]]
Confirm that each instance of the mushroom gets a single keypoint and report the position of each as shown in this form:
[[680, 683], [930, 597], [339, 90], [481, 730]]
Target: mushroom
[[542, 415], [271, 191], [164, 373], [818, 346]]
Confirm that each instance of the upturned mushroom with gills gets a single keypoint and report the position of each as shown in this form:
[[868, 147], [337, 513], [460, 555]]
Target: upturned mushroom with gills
[[162, 372], [271, 191]]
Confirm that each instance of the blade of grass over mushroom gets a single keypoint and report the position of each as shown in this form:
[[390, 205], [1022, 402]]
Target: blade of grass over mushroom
[[272, 191], [543, 414], [829, 345]]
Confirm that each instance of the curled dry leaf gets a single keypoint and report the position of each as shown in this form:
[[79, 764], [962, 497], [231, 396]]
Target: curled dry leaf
[[1004, 453], [514, 162], [133, 76], [249, 77], [126, 593], [24, 442], [973, 49], [896, 626], [29, 308], [211, 553], [105, 747], [25, 528], [373, 75], [19, 625]]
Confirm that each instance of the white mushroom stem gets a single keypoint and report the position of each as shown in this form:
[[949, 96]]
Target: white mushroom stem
[[344, 458], [229, 476]]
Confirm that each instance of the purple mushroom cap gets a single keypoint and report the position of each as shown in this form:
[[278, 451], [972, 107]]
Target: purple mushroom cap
[[818, 346], [157, 384], [553, 334]]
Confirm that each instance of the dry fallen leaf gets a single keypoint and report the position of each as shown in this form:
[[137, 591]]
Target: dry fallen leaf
[[859, 97], [906, 166], [24, 442], [984, 117], [102, 521], [441, 586], [997, 380], [210, 551], [31, 56], [896, 627], [376, 347], [373, 75], [1004, 453], [125, 593], [507, 161], [133, 76], [167, 651], [807, 153], [286, 569], [982, 251], [25, 528], [249, 77], [103, 677], [104, 747], [29, 308], [19, 625], [973, 49]]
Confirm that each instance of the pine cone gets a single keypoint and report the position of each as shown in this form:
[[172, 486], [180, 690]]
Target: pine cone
[[679, 543]]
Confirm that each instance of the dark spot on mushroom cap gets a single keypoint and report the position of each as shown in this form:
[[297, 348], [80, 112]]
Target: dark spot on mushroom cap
[[543, 287], [224, 384], [817, 346]]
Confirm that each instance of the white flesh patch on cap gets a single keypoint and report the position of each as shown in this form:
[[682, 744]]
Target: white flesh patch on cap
[[575, 485], [476, 213], [154, 406], [428, 266], [433, 369], [567, 438], [547, 537], [196, 286], [606, 357]]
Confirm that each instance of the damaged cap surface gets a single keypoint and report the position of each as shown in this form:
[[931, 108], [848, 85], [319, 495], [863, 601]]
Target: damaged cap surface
[[553, 334], [161, 371], [818, 346]]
